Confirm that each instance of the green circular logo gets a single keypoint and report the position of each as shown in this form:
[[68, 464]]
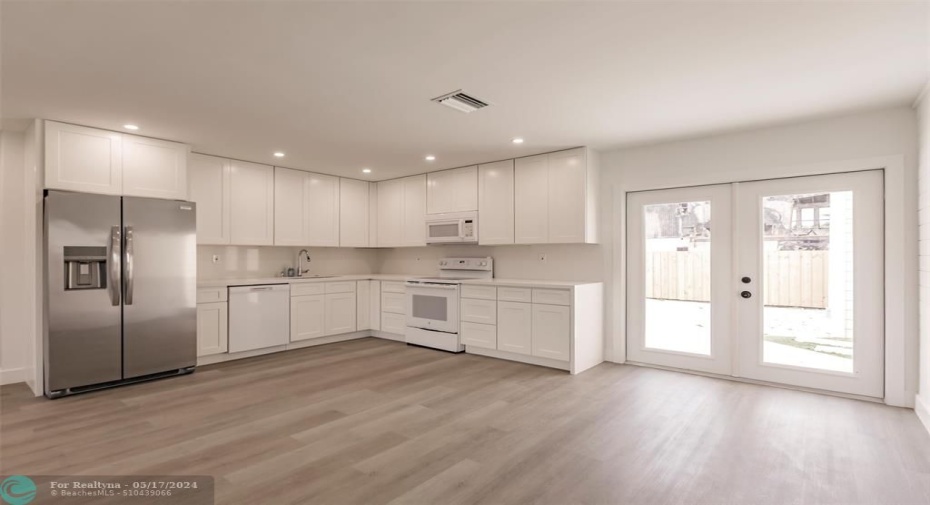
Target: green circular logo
[[18, 490]]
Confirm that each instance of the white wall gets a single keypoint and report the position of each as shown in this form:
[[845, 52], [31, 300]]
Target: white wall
[[244, 261], [16, 311], [923, 398], [862, 141]]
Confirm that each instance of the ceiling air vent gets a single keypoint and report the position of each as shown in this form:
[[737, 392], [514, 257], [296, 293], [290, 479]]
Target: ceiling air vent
[[460, 102]]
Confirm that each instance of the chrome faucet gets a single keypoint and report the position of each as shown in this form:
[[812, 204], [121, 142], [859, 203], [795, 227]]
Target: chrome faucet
[[300, 257]]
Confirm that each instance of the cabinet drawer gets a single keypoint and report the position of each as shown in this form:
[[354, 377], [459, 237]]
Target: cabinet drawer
[[479, 311], [394, 303], [552, 296], [515, 295], [479, 335], [393, 323], [307, 288], [392, 287], [211, 295], [340, 287], [480, 292]]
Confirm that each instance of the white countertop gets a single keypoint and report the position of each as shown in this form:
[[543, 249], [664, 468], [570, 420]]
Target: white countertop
[[254, 281], [527, 283]]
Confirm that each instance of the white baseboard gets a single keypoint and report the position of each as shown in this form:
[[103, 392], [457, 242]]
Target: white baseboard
[[922, 408], [522, 358], [13, 375]]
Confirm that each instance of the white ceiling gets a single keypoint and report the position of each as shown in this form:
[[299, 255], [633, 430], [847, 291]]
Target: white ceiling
[[341, 86]]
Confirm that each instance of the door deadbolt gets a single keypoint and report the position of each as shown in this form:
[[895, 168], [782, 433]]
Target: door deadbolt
[[746, 294], [746, 280]]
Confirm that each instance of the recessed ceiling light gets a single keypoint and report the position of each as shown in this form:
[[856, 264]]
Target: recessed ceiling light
[[517, 140], [279, 154], [130, 127], [430, 157], [366, 170]]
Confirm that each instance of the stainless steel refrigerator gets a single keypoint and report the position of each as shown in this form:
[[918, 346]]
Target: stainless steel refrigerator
[[121, 291]]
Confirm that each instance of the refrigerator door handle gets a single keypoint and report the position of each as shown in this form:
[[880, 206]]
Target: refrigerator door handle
[[113, 262], [129, 277]]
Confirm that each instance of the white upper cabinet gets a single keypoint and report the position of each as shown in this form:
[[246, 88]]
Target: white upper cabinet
[[390, 213], [531, 200], [322, 203], [154, 168], [402, 212], [83, 159], [306, 208], [353, 213], [289, 207], [568, 177], [252, 203], [452, 190], [414, 228], [555, 198], [495, 203], [209, 185], [89, 160]]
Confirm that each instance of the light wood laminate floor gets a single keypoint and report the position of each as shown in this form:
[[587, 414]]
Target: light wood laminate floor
[[374, 421]]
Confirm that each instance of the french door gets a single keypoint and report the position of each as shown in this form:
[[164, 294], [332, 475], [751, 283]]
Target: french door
[[778, 280]]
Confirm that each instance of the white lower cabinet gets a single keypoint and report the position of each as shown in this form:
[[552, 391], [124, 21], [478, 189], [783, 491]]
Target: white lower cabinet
[[340, 313], [552, 331], [212, 328], [363, 305], [393, 323], [393, 302], [308, 317], [515, 327], [549, 326], [479, 335]]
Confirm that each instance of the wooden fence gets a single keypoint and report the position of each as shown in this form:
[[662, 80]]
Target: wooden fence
[[792, 278]]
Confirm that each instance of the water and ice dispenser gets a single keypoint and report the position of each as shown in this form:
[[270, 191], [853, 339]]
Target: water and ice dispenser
[[85, 267]]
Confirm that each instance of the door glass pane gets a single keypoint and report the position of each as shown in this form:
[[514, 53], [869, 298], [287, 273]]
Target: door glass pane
[[807, 282], [677, 238], [430, 307]]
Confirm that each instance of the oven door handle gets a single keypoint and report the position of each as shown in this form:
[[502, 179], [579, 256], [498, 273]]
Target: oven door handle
[[432, 286]]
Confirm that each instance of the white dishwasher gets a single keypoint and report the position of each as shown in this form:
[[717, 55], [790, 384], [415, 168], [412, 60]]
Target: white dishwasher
[[259, 316]]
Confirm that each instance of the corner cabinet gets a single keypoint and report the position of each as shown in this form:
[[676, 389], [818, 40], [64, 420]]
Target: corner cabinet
[[353, 213], [402, 212], [78, 158], [556, 198]]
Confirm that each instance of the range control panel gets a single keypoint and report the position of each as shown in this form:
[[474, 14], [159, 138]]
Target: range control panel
[[484, 264]]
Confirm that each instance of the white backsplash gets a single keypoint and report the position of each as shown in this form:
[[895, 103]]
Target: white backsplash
[[245, 261], [563, 262]]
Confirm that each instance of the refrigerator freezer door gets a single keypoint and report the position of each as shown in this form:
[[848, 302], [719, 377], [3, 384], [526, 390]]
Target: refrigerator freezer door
[[160, 286], [83, 345]]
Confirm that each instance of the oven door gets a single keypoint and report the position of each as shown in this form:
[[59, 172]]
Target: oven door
[[433, 306], [444, 231]]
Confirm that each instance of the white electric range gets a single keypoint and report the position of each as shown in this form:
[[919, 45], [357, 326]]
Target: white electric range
[[433, 302]]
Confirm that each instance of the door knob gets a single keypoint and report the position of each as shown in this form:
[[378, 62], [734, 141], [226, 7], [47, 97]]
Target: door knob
[[746, 294]]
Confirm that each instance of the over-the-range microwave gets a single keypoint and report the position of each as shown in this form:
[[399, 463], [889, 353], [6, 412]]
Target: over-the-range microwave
[[452, 228]]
